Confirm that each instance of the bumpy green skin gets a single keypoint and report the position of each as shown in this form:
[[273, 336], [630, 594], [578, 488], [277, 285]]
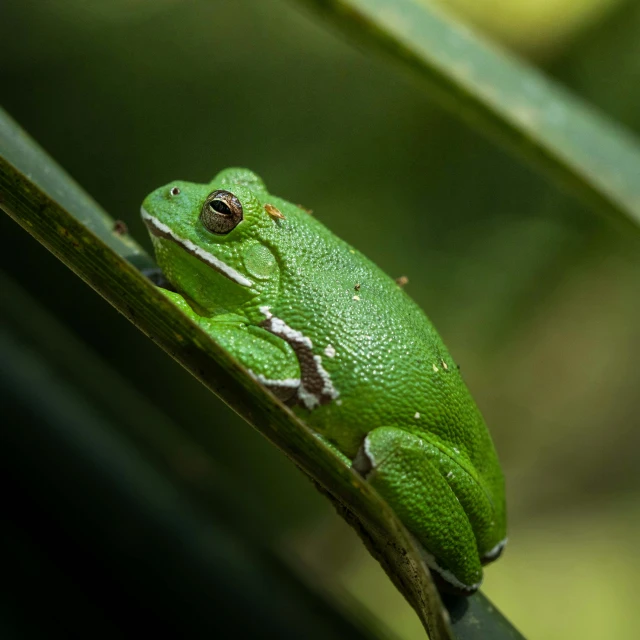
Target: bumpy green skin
[[331, 334]]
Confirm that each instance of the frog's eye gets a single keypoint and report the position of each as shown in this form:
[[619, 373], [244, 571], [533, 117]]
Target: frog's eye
[[221, 212]]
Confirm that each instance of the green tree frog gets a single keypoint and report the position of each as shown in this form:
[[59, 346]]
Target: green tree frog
[[330, 334]]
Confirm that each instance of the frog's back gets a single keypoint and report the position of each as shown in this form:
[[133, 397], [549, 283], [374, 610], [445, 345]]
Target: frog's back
[[384, 357]]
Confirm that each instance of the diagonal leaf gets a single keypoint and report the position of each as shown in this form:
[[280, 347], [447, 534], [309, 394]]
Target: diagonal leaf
[[50, 206], [105, 449], [505, 98]]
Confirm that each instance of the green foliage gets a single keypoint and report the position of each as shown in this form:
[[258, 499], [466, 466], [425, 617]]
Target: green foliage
[[83, 239], [491, 250], [506, 99]]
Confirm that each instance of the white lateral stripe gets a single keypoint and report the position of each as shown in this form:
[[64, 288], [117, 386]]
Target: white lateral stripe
[[328, 388], [281, 328], [294, 337], [310, 400], [367, 451], [205, 256], [286, 382], [497, 549]]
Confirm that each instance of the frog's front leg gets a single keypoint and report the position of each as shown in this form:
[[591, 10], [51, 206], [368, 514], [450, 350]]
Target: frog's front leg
[[269, 359], [408, 473]]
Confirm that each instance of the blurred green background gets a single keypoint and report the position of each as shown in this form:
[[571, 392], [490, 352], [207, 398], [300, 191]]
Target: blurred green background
[[534, 294]]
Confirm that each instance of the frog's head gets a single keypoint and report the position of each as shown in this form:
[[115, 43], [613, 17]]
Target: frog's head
[[212, 240]]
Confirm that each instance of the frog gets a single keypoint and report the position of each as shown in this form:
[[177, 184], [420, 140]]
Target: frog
[[346, 348]]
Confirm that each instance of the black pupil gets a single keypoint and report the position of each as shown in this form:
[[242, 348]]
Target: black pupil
[[221, 207]]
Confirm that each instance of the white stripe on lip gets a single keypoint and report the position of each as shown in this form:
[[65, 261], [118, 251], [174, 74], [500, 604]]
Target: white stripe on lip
[[194, 249]]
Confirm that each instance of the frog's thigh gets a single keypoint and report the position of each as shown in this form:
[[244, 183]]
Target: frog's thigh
[[398, 466]]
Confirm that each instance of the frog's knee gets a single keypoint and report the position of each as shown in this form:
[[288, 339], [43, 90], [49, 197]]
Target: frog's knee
[[378, 446]]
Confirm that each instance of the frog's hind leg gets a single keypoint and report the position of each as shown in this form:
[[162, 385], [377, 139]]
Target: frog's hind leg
[[403, 468]]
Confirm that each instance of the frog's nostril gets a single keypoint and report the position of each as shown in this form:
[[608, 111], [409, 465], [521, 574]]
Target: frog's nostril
[[174, 191]]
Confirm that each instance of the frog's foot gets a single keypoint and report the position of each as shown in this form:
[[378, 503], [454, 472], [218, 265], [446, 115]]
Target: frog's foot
[[407, 472]]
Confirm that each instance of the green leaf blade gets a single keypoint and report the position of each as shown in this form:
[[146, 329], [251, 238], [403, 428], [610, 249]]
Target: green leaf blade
[[506, 98], [104, 260]]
